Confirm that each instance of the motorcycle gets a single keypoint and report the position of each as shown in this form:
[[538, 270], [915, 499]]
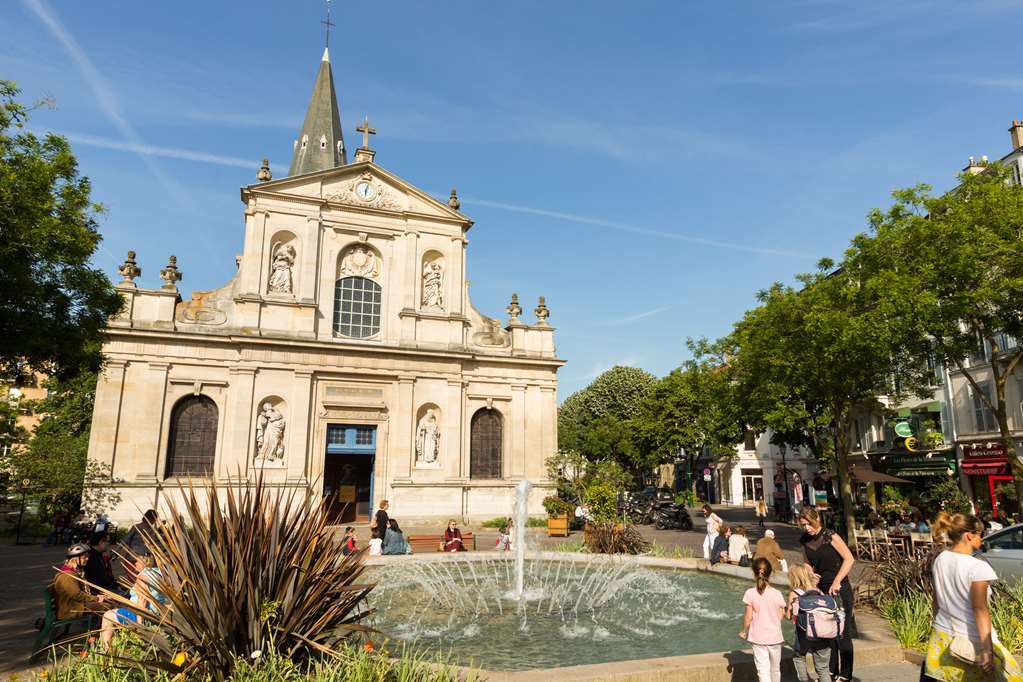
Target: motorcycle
[[671, 515]]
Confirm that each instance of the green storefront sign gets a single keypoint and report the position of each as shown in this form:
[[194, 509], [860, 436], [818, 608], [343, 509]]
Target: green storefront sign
[[919, 466]]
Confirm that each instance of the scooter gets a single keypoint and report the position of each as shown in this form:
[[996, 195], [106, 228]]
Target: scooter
[[672, 515]]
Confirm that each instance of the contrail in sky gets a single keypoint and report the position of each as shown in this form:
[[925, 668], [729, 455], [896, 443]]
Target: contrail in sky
[[636, 229]]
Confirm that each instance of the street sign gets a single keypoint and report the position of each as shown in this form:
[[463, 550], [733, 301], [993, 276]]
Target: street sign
[[706, 474], [903, 429]]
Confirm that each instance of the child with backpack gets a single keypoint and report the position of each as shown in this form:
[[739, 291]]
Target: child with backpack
[[765, 607], [818, 620]]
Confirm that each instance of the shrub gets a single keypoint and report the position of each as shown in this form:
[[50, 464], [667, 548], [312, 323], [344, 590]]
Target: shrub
[[1007, 613], [896, 576], [601, 500], [687, 498], [555, 506], [948, 496], [614, 538], [255, 570], [909, 616]]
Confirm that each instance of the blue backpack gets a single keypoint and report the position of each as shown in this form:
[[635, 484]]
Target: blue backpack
[[819, 616]]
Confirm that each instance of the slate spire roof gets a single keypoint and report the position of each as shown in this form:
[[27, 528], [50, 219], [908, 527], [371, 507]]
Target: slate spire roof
[[320, 144]]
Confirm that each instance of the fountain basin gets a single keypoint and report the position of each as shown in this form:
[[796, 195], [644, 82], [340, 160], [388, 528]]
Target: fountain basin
[[574, 610]]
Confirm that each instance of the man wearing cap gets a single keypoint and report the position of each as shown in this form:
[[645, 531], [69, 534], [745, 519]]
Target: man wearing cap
[[69, 593]]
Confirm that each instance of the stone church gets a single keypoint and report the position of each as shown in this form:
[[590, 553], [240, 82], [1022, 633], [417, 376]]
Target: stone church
[[343, 359]]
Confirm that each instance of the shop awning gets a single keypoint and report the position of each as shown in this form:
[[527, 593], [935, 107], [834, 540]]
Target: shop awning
[[985, 467], [871, 476], [926, 405]]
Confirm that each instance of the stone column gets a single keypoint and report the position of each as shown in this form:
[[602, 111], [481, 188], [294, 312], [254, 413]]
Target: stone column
[[239, 434], [253, 267], [106, 415], [298, 453], [548, 423], [147, 416], [516, 462], [413, 271], [403, 422], [454, 287], [454, 421], [306, 270]]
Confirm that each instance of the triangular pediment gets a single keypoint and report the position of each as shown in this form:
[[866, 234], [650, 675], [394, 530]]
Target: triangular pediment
[[362, 185]]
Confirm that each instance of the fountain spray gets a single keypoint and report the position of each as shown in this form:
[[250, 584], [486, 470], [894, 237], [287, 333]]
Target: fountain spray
[[521, 518]]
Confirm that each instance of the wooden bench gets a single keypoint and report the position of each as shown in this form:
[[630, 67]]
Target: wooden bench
[[425, 544]]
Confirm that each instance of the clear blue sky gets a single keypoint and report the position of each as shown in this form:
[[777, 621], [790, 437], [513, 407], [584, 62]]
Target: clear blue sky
[[648, 166]]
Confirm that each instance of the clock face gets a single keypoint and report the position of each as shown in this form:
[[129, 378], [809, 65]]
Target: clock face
[[364, 190]]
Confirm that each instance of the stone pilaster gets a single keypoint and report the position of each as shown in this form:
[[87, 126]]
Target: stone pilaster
[[515, 464], [239, 437], [307, 268], [298, 453], [548, 419], [533, 452], [253, 265], [148, 415], [404, 424], [454, 423], [106, 416]]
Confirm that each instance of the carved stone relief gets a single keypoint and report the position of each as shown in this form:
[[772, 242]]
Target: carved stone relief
[[433, 284], [359, 261], [376, 196]]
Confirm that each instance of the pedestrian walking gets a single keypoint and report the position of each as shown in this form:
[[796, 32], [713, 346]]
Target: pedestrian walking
[[830, 558], [761, 510], [964, 645], [713, 525], [761, 625], [804, 581]]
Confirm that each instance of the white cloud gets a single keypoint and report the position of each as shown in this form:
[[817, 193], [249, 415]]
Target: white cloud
[[639, 316]]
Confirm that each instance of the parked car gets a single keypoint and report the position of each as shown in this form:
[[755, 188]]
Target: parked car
[[1003, 549]]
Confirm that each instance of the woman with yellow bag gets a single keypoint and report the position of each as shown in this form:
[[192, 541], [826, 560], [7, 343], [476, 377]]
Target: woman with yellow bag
[[964, 646]]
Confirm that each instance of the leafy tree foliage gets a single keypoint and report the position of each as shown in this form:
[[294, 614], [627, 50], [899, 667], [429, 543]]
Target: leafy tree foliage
[[53, 304], [806, 359], [54, 460], [953, 265]]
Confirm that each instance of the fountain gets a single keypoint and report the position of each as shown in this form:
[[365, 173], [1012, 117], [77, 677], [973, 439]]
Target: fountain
[[551, 610]]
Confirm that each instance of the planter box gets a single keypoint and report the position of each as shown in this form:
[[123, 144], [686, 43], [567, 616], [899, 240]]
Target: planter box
[[557, 526]]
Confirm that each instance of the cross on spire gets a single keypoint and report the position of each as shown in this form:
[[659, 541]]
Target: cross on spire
[[366, 132], [328, 23]]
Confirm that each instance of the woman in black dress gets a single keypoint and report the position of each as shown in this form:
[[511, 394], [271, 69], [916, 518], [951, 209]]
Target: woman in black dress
[[831, 559]]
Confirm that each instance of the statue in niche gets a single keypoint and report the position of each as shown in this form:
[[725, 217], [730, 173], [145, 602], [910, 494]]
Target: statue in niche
[[360, 261], [428, 438], [270, 433], [433, 278], [280, 268]]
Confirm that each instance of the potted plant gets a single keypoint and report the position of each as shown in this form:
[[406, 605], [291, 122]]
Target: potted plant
[[558, 511]]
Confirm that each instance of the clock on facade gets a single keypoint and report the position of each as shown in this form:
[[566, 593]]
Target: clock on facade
[[364, 190]]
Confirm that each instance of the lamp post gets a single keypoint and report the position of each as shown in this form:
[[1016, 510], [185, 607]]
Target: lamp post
[[21, 515], [785, 480]]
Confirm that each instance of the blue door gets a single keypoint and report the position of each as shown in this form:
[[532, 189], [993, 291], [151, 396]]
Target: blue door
[[348, 471]]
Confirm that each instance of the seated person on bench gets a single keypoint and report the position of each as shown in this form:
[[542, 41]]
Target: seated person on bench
[[453, 538], [71, 598]]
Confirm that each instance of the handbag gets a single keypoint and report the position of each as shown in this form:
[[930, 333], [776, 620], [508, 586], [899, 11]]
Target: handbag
[[744, 561], [963, 649]]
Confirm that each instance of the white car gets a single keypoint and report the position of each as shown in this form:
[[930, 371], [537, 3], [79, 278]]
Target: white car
[[1003, 549]]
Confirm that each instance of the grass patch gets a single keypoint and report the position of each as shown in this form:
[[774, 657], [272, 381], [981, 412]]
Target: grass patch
[[674, 552], [533, 522], [1007, 613], [578, 546]]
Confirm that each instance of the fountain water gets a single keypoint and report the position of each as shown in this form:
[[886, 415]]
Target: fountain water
[[521, 519]]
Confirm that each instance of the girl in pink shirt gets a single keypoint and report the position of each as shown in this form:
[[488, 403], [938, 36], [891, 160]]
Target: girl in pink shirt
[[765, 608]]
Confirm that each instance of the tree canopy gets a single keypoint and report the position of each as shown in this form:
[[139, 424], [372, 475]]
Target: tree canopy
[[53, 303]]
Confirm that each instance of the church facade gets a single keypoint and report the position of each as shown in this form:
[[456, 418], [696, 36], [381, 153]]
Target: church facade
[[344, 358]]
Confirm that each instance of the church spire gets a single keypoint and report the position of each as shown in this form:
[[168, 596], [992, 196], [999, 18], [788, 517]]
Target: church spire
[[320, 144]]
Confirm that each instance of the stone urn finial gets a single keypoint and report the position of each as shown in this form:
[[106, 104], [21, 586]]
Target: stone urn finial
[[170, 274], [264, 174], [542, 312], [514, 309], [129, 270], [453, 201]]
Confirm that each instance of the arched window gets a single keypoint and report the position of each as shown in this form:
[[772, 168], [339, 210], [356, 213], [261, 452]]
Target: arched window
[[356, 307], [193, 437], [485, 444]]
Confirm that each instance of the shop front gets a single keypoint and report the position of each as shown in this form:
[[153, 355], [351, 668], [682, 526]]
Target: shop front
[[986, 466]]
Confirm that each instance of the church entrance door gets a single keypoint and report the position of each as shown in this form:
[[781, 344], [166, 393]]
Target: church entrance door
[[348, 472]]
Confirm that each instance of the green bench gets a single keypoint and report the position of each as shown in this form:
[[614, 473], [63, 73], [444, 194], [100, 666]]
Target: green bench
[[52, 628]]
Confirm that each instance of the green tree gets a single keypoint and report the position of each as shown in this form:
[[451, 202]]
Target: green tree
[[954, 265], [810, 357], [54, 460], [692, 408], [597, 420], [53, 304]]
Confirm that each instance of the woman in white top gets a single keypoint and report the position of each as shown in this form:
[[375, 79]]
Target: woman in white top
[[738, 546], [713, 525], [962, 620]]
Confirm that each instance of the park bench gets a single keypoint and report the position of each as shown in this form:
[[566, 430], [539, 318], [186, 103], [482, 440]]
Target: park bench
[[51, 628], [424, 544]]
